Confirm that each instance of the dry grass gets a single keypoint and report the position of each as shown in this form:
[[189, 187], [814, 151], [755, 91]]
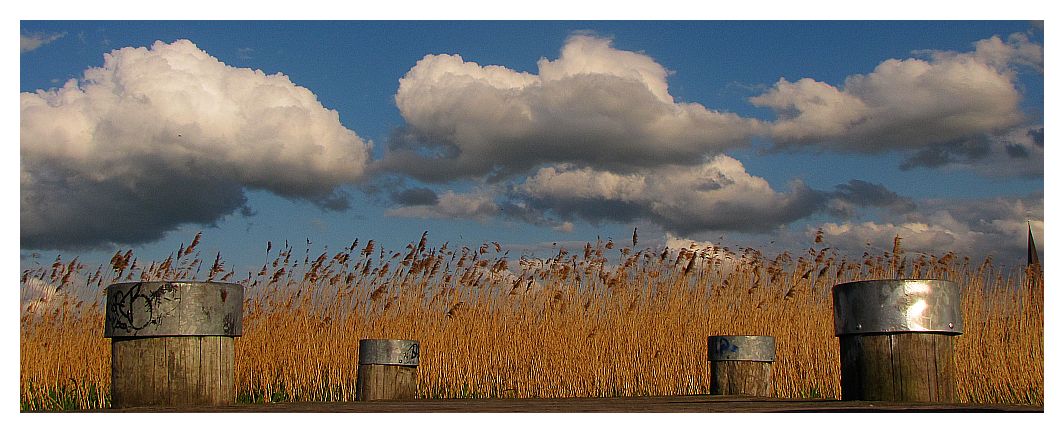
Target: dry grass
[[573, 324]]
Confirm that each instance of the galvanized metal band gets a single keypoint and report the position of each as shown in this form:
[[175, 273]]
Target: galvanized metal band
[[388, 352], [742, 348], [173, 308], [885, 306]]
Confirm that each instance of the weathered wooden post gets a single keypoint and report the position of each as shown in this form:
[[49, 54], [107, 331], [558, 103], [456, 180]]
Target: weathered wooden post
[[387, 369], [896, 339], [741, 364], [172, 342]]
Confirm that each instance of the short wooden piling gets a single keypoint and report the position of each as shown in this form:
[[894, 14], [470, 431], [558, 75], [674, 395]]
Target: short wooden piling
[[387, 369], [172, 342], [896, 339], [741, 365]]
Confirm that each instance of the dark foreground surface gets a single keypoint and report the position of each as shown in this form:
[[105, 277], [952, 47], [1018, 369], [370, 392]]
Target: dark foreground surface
[[697, 403]]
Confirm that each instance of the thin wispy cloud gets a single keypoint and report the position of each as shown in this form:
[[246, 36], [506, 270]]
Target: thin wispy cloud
[[33, 41], [245, 53]]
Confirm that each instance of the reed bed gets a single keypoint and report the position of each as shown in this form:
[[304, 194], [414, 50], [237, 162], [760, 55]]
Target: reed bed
[[569, 325]]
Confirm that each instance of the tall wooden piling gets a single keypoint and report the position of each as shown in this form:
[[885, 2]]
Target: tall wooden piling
[[896, 339], [172, 342], [741, 365], [387, 369]]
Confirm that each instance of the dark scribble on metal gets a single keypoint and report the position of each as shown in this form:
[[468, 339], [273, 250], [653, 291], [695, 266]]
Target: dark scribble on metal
[[134, 309], [725, 346], [414, 352], [228, 324], [142, 309]]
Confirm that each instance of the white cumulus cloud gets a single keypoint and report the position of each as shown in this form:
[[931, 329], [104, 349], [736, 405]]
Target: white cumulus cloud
[[594, 105], [716, 195], [166, 135], [944, 99]]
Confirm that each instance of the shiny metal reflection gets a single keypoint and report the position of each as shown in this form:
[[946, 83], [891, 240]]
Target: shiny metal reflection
[[912, 305]]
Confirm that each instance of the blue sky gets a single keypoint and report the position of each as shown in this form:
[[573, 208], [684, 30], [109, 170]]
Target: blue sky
[[750, 133]]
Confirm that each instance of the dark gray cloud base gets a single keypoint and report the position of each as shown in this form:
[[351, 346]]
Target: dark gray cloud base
[[69, 210]]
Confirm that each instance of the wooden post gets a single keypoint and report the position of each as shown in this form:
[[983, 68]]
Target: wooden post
[[896, 339], [387, 370], [741, 365], [172, 342]]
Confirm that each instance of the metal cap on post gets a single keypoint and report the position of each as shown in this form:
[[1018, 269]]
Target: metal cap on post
[[173, 308], [388, 352], [741, 364], [742, 348], [888, 306]]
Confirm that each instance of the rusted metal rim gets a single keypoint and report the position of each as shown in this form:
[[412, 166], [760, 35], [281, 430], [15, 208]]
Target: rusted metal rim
[[742, 348], [907, 305], [173, 308], [388, 352]]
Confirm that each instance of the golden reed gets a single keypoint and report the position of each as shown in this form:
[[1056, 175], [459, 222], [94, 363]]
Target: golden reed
[[492, 325]]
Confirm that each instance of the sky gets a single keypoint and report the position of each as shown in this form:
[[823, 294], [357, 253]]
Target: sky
[[139, 134]]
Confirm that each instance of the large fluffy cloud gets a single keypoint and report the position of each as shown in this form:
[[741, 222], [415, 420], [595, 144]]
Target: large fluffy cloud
[[594, 105], [166, 135], [946, 101], [716, 195]]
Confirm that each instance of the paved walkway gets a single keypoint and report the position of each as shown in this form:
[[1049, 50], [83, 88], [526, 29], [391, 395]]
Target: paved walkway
[[702, 403]]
